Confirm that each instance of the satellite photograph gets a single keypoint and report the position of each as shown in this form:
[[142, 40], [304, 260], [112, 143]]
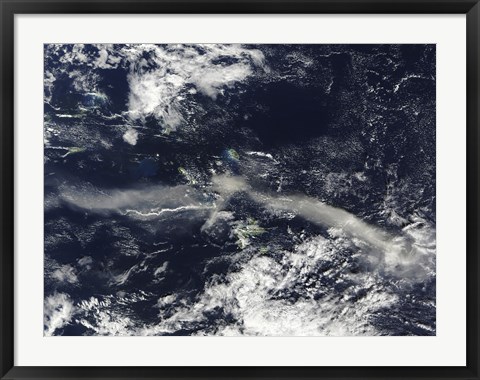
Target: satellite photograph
[[239, 190]]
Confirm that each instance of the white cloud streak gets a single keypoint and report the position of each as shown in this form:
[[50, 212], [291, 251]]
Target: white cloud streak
[[334, 301], [390, 251]]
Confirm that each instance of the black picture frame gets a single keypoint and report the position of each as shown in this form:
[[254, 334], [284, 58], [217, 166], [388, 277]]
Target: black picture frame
[[9, 8]]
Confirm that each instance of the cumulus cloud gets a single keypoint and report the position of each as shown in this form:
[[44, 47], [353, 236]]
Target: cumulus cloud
[[211, 81], [106, 317], [58, 310], [161, 78], [131, 136], [65, 274], [84, 261], [306, 291], [248, 295], [159, 85], [107, 60]]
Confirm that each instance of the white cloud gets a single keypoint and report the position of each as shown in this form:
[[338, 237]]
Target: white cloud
[[161, 77], [248, 296], [58, 310], [344, 303], [210, 80], [304, 291], [84, 261], [107, 59], [105, 317], [396, 254], [153, 200], [65, 273], [161, 269], [156, 91], [131, 136], [102, 59]]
